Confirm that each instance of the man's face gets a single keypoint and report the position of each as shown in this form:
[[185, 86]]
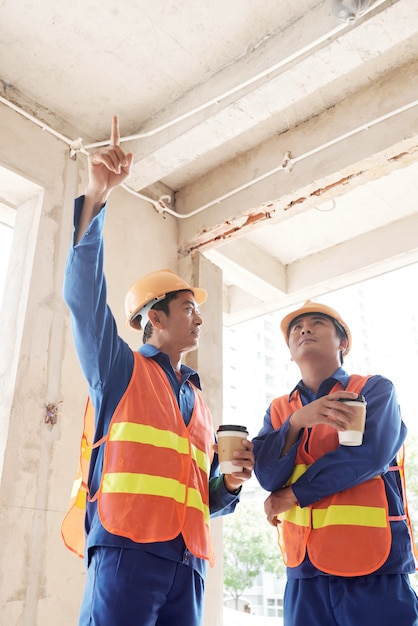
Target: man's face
[[182, 325], [314, 334]]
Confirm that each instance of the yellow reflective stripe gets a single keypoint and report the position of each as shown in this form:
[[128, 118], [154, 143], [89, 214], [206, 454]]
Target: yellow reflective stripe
[[298, 516], [81, 499], [154, 486], [202, 459], [126, 482], [337, 515], [297, 473], [142, 433], [86, 452], [194, 499]]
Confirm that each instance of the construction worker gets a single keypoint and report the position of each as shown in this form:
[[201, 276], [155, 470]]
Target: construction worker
[[339, 510], [153, 478]]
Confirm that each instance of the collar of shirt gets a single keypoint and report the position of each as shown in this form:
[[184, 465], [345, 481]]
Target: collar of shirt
[[163, 360], [325, 387]]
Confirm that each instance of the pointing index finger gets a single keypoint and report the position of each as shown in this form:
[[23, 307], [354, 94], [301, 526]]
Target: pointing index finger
[[114, 133]]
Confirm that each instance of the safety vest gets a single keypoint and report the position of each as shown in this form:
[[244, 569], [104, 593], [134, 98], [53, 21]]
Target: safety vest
[[72, 527], [345, 534], [155, 477]]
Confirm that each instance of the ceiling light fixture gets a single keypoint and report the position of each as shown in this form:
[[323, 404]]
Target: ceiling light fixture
[[348, 11]]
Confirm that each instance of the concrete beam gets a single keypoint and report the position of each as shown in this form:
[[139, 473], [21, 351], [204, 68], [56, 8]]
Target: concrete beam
[[246, 266], [343, 147], [377, 252], [281, 99]]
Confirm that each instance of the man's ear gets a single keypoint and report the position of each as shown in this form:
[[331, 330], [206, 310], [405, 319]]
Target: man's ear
[[343, 345], [155, 317]]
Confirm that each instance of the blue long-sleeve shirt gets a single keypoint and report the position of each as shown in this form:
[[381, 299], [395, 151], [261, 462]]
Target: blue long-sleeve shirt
[[107, 364], [344, 467]]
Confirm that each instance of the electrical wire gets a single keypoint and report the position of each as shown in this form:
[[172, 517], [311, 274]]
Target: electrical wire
[[286, 164]]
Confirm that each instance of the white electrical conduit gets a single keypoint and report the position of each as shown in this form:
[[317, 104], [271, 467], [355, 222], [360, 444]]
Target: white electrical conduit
[[76, 145], [247, 83], [288, 161], [159, 205], [228, 93]]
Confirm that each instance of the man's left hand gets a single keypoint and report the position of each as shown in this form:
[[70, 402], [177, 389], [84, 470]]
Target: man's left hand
[[279, 502]]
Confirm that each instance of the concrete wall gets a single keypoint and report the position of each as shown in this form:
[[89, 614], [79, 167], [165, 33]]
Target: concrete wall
[[41, 582]]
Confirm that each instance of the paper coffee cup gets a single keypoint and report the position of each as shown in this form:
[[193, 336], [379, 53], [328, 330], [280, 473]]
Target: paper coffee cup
[[229, 440], [354, 436]]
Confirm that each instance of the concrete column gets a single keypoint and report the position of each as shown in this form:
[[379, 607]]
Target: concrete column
[[41, 582], [208, 362], [33, 575]]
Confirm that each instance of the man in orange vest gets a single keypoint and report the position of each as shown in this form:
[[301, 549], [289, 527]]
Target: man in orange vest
[[340, 511], [149, 476]]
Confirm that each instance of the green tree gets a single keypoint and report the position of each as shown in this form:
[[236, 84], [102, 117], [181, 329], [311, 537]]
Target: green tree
[[250, 547]]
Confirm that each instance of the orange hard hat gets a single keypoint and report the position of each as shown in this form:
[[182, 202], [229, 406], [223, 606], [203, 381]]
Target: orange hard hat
[[151, 288], [315, 307]]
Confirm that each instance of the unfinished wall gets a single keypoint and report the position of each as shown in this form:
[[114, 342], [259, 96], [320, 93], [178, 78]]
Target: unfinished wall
[[40, 581]]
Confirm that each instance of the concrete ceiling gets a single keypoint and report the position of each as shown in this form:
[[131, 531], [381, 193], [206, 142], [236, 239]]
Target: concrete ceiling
[[283, 140]]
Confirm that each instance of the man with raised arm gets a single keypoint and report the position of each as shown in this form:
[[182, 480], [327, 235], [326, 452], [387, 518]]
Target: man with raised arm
[[153, 480]]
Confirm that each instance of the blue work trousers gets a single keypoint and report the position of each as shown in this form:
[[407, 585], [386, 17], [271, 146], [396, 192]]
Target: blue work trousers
[[384, 600], [127, 587]]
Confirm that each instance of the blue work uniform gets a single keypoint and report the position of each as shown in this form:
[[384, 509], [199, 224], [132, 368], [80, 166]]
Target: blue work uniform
[[311, 596], [128, 583]]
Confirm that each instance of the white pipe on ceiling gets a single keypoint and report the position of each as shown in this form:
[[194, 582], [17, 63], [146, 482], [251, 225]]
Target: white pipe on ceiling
[[77, 146], [273, 68], [288, 161]]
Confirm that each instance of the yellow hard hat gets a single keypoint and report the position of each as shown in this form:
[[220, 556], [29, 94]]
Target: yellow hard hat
[[151, 288], [315, 307]]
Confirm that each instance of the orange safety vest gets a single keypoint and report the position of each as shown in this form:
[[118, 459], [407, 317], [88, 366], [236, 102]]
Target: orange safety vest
[[72, 527], [155, 477], [345, 534]]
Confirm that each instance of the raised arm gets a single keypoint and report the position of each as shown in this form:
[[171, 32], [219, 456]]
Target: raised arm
[[108, 167]]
